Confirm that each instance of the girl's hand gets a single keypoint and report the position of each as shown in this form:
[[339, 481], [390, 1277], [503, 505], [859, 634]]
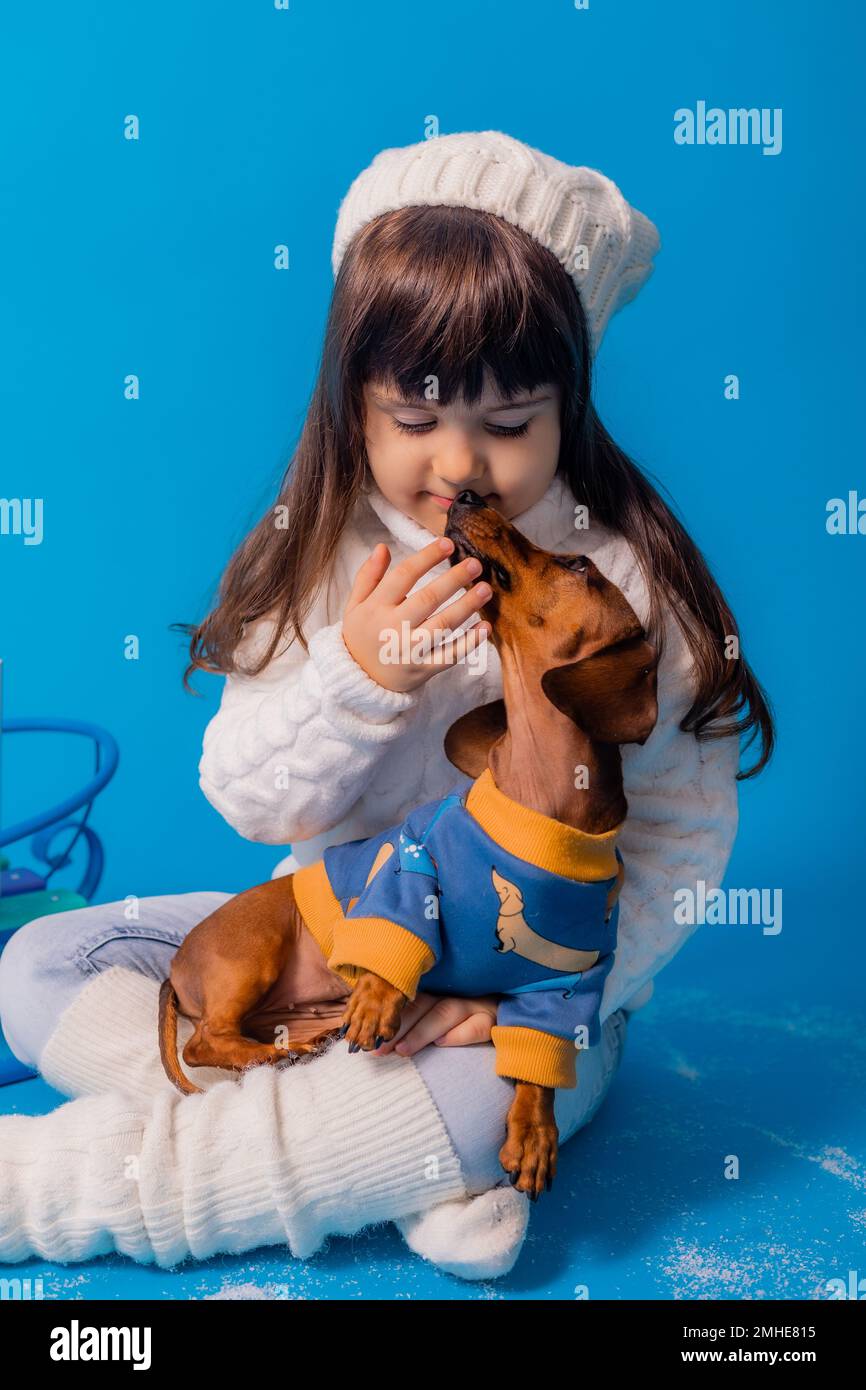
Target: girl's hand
[[380, 604], [438, 1018]]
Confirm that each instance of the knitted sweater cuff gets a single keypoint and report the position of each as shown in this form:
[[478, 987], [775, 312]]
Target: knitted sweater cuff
[[346, 685]]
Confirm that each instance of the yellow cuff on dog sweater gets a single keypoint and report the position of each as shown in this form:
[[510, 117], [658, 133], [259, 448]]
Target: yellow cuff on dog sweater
[[527, 1054], [386, 948]]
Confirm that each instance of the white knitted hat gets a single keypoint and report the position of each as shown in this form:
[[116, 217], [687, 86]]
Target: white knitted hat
[[563, 206]]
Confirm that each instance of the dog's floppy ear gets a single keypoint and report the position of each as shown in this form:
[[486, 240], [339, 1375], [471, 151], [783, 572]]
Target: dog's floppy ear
[[610, 695], [471, 737]]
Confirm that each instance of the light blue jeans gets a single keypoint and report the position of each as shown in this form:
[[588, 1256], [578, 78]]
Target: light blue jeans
[[50, 959]]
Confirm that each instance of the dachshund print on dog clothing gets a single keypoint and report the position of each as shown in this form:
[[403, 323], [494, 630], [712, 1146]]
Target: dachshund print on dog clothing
[[475, 894]]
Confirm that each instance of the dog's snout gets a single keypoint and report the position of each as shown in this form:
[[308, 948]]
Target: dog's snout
[[468, 498]]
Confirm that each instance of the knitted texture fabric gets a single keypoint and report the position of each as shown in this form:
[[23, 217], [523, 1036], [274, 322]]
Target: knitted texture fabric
[[106, 1040], [605, 244], [279, 1157]]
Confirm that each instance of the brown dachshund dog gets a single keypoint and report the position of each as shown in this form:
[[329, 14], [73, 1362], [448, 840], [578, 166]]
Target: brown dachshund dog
[[579, 679]]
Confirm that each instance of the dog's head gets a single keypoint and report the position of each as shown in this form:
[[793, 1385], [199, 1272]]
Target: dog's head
[[564, 631]]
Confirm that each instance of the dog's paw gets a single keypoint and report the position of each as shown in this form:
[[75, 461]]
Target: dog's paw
[[529, 1155], [373, 1013]]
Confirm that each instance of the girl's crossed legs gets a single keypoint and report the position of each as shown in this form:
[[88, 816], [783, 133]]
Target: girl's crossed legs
[[49, 961]]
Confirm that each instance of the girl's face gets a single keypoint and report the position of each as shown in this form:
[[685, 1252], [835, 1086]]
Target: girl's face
[[422, 454]]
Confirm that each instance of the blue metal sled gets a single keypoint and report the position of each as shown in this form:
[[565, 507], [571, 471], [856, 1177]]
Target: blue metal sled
[[25, 894]]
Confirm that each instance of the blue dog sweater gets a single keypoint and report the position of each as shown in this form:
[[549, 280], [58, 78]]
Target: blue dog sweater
[[474, 894]]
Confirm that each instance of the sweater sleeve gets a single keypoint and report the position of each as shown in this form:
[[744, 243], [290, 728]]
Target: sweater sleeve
[[290, 751], [393, 926], [538, 1032]]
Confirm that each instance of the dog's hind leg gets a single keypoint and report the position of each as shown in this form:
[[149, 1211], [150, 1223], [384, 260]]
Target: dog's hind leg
[[220, 1043], [282, 1006], [221, 1037], [255, 982], [217, 1048]]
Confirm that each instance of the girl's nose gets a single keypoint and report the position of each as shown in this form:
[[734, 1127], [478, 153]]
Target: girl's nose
[[460, 469]]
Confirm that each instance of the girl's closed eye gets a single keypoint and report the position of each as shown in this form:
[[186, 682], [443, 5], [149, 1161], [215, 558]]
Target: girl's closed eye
[[506, 431]]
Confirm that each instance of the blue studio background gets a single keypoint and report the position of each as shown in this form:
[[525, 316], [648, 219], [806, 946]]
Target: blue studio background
[[155, 257]]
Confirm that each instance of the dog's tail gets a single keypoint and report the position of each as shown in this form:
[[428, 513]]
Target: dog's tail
[[168, 1040]]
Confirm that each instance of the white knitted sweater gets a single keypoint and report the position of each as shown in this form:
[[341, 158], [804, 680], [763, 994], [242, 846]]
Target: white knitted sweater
[[312, 752]]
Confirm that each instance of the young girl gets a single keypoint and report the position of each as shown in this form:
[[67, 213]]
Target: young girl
[[475, 277]]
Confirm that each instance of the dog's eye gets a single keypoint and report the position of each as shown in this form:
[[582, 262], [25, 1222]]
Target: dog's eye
[[501, 575], [577, 563]]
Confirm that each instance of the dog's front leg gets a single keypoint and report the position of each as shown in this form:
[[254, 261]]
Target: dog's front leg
[[373, 1013], [532, 1139]]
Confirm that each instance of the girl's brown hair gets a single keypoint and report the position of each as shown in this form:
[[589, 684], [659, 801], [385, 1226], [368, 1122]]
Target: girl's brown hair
[[450, 292]]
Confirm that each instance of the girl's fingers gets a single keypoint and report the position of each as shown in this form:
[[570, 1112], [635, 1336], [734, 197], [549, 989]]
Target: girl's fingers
[[414, 1010], [421, 604], [449, 1018], [369, 575], [431, 650], [399, 580], [455, 614], [475, 1029]]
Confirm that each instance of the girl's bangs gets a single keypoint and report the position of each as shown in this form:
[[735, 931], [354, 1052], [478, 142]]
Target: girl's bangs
[[454, 297]]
